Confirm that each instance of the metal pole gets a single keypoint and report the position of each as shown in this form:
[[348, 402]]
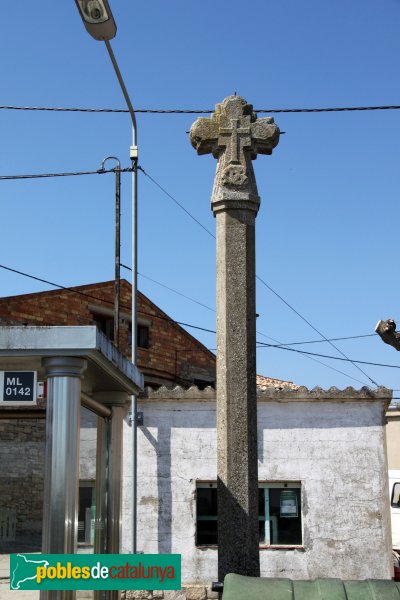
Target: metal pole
[[117, 284], [91, 404], [123, 88], [134, 159], [114, 488], [117, 279], [134, 342], [60, 514]]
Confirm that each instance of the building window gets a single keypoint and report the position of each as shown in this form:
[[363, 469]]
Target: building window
[[105, 324], [279, 514], [395, 500], [143, 334], [86, 513], [207, 515]]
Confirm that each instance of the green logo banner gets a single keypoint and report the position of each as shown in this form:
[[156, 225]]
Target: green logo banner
[[95, 571]]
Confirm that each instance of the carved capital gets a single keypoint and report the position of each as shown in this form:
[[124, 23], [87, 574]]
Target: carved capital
[[234, 135]]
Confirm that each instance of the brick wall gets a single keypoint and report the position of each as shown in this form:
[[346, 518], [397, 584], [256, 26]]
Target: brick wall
[[173, 355]]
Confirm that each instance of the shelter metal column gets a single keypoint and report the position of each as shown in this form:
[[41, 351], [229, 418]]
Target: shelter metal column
[[109, 480], [62, 460], [100, 531], [114, 496]]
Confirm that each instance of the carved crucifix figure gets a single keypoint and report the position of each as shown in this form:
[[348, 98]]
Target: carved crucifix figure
[[235, 136]]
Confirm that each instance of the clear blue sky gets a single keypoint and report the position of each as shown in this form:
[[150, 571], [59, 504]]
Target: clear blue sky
[[327, 227]]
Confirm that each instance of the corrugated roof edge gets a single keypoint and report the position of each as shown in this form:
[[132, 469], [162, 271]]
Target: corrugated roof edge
[[300, 394]]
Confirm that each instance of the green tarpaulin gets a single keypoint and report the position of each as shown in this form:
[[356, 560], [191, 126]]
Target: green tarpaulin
[[239, 587]]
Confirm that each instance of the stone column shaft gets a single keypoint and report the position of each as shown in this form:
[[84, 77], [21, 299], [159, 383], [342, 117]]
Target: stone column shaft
[[236, 395]]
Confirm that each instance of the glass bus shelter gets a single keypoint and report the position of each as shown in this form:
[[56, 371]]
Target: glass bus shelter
[[64, 393]]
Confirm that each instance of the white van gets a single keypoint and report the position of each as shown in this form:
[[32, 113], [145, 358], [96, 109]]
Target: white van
[[394, 492]]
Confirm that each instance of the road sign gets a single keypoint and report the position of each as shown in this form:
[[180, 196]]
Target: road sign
[[18, 388]]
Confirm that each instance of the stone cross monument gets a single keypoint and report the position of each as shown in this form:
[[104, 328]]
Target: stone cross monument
[[235, 136]]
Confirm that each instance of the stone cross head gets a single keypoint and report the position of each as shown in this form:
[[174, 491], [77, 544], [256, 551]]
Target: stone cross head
[[234, 136]]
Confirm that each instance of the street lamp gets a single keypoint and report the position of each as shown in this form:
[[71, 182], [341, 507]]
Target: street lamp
[[97, 18], [99, 22]]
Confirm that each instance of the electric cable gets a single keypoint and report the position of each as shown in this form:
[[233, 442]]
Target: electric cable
[[348, 337], [258, 332], [75, 291], [172, 290], [68, 174], [129, 169], [259, 278], [186, 111], [176, 201], [315, 329], [351, 360], [310, 357], [102, 171], [280, 345]]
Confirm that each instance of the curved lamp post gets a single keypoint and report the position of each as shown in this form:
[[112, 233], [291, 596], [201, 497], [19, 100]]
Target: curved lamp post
[[99, 22]]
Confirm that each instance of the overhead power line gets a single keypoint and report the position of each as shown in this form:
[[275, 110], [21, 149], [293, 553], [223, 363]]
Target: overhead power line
[[316, 330], [68, 174], [91, 296], [260, 279], [209, 233], [322, 341], [127, 169], [172, 290], [322, 110], [195, 111], [279, 344], [362, 362], [348, 337], [176, 201]]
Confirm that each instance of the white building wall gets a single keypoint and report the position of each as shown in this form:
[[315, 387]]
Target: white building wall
[[332, 442]]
